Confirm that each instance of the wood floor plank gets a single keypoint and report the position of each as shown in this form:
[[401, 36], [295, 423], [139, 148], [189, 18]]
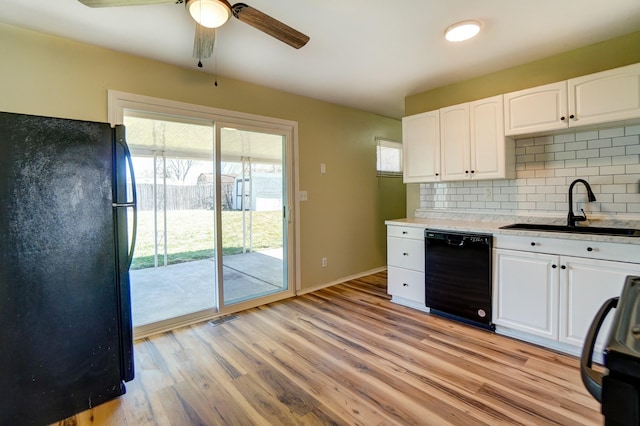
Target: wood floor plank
[[365, 364], [345, 355]]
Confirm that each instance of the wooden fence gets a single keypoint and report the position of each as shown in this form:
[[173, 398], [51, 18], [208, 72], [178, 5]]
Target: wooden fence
[[195, 197]]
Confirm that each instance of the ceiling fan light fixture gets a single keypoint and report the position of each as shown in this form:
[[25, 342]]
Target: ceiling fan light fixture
[[461, 31], [209, 13]]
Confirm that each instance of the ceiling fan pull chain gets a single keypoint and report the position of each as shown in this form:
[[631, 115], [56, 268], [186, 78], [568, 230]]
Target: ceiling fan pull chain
[[215, 60]]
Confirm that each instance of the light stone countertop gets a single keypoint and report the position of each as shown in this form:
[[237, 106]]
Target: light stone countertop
[[490, 224]]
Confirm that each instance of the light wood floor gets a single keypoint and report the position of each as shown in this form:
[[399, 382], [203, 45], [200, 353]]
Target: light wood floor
[[345, 355]]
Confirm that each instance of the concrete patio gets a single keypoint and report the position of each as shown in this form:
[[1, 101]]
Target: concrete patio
[[169, 291]]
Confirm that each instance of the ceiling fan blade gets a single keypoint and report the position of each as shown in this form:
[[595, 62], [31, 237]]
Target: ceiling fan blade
[[113, 3], [269, 25]]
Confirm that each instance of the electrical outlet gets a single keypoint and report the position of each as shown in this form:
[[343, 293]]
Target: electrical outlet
[[488, 193], [323, 168], [303, 195], [324, 262]]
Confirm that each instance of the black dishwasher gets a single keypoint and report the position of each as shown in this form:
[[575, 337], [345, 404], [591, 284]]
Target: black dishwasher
[[458, 276]]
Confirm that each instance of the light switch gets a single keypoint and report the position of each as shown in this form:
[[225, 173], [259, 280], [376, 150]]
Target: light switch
[[323, 168]]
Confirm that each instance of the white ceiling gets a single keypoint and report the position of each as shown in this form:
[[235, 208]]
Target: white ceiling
[[366, 54]]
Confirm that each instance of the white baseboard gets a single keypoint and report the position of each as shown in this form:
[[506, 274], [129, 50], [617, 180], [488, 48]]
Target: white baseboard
[[340, 281]]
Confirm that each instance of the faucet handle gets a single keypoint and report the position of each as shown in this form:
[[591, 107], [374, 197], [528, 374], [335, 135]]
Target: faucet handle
[[584, 216]]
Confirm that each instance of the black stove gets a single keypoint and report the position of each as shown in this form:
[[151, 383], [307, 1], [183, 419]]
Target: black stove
[[618, 388]]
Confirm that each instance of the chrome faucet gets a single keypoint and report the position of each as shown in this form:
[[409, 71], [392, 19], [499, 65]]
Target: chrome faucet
[[571, 217]]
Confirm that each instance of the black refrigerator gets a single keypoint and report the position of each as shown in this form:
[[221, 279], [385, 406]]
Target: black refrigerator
[[65, 305]]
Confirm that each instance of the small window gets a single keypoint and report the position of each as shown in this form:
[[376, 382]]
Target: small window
[[389, 155]]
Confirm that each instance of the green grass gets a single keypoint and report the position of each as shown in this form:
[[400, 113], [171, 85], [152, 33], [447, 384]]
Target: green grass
[[190, 235]]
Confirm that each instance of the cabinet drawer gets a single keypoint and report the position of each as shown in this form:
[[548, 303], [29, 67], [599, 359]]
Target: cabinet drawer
[[565, 247], [414, 233], [406, 284], [405, 253]]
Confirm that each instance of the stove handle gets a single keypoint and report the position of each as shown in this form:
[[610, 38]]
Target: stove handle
[[591, 378]]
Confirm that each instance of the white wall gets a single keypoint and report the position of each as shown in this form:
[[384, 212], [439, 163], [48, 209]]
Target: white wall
[[545, 167]]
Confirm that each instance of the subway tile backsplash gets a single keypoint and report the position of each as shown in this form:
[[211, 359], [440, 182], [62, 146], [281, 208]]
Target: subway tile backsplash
[[608, 159]]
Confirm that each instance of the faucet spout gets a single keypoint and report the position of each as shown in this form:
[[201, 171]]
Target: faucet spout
[[571, 217]]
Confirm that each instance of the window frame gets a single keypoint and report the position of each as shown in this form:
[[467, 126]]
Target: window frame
[[391, 144]]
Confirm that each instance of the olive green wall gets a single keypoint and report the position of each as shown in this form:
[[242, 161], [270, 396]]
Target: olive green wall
[[343, 219], [608, 54]]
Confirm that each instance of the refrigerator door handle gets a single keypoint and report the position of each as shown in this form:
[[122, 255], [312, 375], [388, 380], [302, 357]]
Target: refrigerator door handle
[[123, 204], [133, 204]]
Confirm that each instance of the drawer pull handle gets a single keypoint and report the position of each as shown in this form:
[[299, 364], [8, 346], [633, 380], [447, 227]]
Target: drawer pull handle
[[405, 285], [589, 248]]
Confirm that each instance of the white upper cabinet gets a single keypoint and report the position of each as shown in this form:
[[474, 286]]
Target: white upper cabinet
[[537, 109], [459, 142], [603, 97], [421, 147], [492, 155], [473, 144], [612, 95], [454, 142]]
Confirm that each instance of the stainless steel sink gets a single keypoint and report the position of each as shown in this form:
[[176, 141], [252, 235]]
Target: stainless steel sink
[[574, 229]]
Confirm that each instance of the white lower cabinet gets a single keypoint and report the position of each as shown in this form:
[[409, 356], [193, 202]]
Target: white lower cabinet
[[405, 265], [586, 285], [526, 292], [551, 298]]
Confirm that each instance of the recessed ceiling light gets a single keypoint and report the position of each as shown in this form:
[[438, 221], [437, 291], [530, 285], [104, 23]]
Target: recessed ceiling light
[[462, 31]]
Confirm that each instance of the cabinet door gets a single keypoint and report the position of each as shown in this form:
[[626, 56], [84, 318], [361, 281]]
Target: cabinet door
[[538, 109], [454, 142], [487, 141], [525, 292], [585, 285], [606, 96], [421, 147]]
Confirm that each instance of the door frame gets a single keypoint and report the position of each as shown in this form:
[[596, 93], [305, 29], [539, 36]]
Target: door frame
[[118, 102]]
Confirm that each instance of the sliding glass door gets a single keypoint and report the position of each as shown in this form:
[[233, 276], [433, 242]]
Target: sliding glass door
[[253, 218], [215, 233]]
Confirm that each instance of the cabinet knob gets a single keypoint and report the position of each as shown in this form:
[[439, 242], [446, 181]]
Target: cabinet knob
[[589, 248], [437, 174], [473, 171], [405, 254], [562, 118], [466, 171], [554, 266], [572, 116], [404, 232], [563, 267], [405, 285], [532, 244]]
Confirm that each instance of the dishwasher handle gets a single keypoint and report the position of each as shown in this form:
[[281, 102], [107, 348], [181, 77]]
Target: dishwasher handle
[[458, 239]]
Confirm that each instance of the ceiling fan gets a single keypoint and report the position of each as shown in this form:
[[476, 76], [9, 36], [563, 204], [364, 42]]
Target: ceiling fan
[[211, 14]]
